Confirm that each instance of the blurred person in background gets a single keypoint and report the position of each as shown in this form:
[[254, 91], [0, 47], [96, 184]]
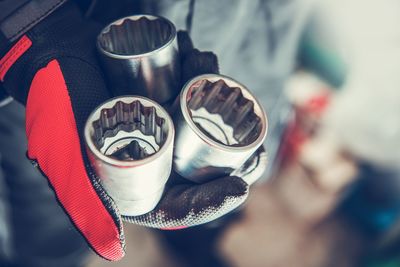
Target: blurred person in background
[[364, 118], [256, 42]]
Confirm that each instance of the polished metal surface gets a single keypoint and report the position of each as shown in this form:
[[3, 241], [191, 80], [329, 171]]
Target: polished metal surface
[[140, 56], [219, 125], [254, 168], [129, 142]]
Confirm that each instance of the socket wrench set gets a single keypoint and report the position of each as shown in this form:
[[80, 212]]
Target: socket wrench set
[[133, 143]]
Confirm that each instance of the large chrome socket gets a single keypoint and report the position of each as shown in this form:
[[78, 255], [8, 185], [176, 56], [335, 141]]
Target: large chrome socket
[[219, 125], [130, 144], [140, 56]]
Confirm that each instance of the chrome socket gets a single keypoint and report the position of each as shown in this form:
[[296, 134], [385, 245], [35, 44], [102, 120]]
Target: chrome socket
[[219, 125], [140, 56], [129, 141]]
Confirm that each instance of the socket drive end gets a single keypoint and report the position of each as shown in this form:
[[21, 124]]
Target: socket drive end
[[221, 121], [129, 141]]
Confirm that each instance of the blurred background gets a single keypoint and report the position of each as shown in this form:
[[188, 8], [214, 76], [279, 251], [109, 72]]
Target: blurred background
[[332, 194]]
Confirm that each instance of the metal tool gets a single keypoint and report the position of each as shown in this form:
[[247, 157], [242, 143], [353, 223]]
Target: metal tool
[[140, 56], [129, 142], [219, 125]]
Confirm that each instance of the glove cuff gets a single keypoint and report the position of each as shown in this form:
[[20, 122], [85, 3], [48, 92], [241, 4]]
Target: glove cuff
[[62, 34], [19, 16]]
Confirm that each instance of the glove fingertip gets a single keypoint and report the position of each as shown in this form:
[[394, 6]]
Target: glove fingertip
[[197, 63], [233, 186], [205, 62], [184, 42]]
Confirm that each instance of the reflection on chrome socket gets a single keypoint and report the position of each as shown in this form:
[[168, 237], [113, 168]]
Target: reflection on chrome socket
[[140, 56], [129, 141], [219, 125]]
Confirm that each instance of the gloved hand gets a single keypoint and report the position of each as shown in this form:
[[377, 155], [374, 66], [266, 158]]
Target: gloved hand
[[53, 70]]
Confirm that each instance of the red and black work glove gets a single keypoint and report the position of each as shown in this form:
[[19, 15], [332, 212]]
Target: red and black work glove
[[54, 71]]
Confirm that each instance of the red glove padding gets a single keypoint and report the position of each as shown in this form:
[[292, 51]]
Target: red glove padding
[[53, 70]]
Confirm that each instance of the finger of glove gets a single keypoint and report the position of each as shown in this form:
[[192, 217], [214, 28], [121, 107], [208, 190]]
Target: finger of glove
[[185, 43], [186, 205], [61, 96], [193, 61], [197, 63]]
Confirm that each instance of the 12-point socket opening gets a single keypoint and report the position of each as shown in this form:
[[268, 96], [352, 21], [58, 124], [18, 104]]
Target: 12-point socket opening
[[136, 35], [225, 111]]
